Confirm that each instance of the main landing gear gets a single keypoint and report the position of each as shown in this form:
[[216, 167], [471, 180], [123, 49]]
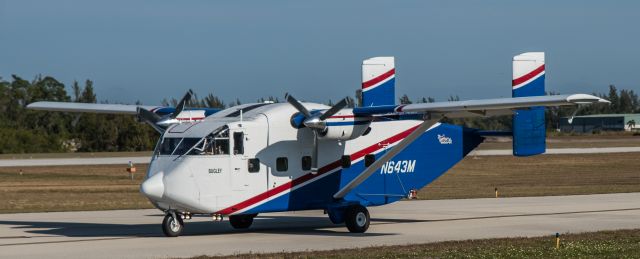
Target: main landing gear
[[357, 219], [241, 221], [355, 216]]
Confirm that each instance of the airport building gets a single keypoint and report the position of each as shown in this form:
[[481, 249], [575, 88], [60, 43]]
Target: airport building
[[601, 122]]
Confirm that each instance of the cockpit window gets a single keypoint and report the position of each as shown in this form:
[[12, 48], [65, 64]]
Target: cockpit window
[[185, 145], [216, 143], [167, 145]]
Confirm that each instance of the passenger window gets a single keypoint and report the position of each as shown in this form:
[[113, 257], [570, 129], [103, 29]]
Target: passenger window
[[254, 165], [369, 159], [238, 143], [345, 161], [282, 164], [306, 163]]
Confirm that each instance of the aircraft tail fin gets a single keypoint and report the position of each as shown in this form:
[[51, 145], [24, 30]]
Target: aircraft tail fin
[[378, 81], [529, 130]]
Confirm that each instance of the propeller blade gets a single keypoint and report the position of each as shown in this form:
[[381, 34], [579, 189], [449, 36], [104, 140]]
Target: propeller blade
[[296, 104], [335, 109], [182, 103], [147, 115], [150, 118]]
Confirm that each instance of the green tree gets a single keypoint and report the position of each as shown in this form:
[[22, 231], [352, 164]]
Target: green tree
[[405, 99]]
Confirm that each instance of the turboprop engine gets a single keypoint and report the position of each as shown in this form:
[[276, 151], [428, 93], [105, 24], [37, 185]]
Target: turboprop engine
[[345, 127]]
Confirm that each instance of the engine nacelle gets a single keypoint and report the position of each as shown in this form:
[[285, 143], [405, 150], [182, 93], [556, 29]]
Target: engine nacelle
[[350, 130]]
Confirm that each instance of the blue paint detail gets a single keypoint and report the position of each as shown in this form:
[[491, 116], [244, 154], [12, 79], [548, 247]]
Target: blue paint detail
[[297, 120], [384, 94], [167, 110], [373, 110], [533, 88], [347, 123], [432, 160], [529, 132], [529, 129]]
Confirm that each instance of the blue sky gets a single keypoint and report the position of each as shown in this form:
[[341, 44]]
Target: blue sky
[[148, 50]]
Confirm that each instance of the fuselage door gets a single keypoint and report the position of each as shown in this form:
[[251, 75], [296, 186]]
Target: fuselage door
[[238, 161], [247, 173]]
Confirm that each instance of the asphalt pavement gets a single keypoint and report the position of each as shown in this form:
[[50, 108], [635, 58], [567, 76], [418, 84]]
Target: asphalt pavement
[[137, 233]]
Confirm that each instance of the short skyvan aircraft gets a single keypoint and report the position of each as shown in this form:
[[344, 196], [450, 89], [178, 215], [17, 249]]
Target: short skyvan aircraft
[[268, 157]]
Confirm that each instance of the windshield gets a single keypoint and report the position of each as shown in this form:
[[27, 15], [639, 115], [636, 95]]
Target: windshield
[[176, 146], [216, 143], [167, 145]]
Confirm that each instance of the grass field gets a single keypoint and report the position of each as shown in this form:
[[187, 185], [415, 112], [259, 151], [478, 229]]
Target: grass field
[[583, 141], [603, 244], [476, 177], [67, 188], [104, 187], [75, 155]]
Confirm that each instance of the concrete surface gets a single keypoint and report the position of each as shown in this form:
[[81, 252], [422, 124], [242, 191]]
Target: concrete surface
[[146, 159], [137, 233]]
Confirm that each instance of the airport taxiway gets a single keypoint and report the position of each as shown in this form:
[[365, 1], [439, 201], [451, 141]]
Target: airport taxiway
[[137, 233]]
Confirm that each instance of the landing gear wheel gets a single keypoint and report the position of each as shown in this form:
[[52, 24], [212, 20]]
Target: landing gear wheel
[[172, 227], [241, 221], [357, 219]]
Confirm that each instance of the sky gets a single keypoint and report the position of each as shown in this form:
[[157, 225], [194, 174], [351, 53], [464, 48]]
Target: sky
[[149, 50]]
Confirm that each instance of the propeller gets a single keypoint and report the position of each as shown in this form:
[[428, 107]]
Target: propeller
[[316, 122], [161, 123], [180, 107]]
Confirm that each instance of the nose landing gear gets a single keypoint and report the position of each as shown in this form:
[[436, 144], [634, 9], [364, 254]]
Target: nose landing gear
[[172, 224]]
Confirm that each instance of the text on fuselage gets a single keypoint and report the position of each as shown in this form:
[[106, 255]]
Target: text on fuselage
[[401, 166]]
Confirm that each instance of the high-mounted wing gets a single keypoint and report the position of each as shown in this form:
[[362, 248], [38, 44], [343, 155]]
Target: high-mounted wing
[[157, 117], [486, 107], [92, 107]]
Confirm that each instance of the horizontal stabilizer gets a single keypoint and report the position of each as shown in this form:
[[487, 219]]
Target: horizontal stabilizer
[[478, 107]]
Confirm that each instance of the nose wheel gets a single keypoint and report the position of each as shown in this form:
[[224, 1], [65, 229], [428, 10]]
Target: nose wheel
[[172, 225]]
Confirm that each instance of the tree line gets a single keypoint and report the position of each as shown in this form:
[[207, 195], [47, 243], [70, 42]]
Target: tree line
[[29, 131]]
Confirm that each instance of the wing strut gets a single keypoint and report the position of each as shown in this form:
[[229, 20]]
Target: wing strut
[[385, 158]]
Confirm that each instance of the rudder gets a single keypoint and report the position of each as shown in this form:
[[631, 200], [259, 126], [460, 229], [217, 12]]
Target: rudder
[[529, 129], [378, 81]]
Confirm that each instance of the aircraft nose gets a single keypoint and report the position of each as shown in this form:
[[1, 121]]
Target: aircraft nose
[[153, 187]]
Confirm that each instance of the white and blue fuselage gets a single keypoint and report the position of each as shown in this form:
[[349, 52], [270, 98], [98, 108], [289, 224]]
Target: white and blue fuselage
[[230, 165]]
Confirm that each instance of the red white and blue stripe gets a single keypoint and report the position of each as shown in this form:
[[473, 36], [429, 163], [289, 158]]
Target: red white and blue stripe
[[528, 78], [329, 169]]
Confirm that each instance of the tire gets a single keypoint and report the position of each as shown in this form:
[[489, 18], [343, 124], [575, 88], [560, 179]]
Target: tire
[[241, 221], [357, 219], [172, 227]]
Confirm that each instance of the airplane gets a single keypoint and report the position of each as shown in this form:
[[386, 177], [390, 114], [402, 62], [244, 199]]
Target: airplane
[[272, 157]]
